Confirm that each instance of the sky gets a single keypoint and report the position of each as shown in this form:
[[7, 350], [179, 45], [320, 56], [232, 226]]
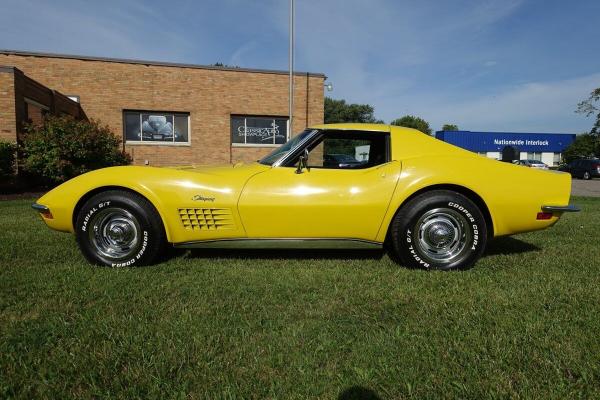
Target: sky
[[503, 65]]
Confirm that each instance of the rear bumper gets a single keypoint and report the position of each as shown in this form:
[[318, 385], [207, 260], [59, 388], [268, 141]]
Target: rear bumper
[[560, 209]]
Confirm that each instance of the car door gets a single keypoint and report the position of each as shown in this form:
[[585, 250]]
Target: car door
[[343, 199], [576, 169]]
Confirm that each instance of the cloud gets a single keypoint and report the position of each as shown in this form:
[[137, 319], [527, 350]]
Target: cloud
[[533, 106], [237, 58]]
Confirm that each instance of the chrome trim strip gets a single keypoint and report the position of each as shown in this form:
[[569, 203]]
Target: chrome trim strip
[[557, 209], [281, 243], [293, 149], [40, 208]]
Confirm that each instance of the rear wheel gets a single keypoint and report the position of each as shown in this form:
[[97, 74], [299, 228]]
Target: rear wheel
[[440, 229], [586, 175], [118, 229]]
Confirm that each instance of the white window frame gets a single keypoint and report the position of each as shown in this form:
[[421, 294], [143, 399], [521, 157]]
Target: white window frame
[[287, 126], [36, 104], [141, 142]]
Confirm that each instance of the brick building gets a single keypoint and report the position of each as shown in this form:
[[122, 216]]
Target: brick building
[[166, 113]]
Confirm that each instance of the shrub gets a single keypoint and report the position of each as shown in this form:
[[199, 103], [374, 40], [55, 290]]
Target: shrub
[[64, 147], [7, 158]]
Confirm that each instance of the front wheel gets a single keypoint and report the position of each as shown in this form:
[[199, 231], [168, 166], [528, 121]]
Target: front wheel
[[119, 229], [440, 229]]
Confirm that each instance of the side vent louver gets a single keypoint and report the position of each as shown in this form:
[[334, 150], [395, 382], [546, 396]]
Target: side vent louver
[[200, 219]]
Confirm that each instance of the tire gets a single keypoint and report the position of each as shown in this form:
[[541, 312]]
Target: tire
[[440, 229], [587, 176], [119, 229]]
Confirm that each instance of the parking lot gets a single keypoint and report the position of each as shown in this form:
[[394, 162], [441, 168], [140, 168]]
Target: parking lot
[[579, 187]]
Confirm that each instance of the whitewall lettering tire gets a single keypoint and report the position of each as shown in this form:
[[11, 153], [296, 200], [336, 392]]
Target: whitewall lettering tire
[[117, 228], [440, 229]]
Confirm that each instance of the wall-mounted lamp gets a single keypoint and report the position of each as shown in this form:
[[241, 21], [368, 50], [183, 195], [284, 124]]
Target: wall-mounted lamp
[[328, 86]]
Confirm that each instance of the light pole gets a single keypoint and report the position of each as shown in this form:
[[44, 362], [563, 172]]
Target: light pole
[[291, 65]]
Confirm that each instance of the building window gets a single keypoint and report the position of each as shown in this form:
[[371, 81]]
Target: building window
[[556, 159], [534, 156], [258, 131], [156, 127], [35, 112]]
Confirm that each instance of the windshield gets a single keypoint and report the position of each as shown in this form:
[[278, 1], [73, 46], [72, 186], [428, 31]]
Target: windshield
[[285, 148]]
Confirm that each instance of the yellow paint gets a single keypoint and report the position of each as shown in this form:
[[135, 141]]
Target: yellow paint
[[267, 202]]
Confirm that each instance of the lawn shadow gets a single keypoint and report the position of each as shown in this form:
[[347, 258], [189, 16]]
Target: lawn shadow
[[358, 393], [296, 254], [508, 245]]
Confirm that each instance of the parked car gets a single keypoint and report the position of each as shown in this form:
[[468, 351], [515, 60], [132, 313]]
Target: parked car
[[340, 161], [583, 168], [434, 205], [531, 164]]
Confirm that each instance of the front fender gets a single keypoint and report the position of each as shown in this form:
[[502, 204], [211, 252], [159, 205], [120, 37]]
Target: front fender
[[63, 199]]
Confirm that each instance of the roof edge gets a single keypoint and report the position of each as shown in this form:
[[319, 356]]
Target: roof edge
[[155, 63]]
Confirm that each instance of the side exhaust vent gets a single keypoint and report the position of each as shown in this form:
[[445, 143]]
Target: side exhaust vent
[[205, 219]]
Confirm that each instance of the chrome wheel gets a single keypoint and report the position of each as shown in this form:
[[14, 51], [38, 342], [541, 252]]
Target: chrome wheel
[[442, 235], [114, 233]]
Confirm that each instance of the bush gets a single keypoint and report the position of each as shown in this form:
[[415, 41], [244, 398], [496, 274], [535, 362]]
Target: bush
[[64, 147], [7, 158]]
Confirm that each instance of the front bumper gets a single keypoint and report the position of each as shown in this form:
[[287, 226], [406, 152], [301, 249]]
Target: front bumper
[[40, 208]]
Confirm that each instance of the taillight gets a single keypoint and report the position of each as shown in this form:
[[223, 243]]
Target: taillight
[[544, 215]]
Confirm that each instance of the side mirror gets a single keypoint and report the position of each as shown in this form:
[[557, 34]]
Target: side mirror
[[303, 162]]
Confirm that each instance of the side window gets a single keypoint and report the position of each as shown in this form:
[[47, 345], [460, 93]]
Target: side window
[[349, 150]]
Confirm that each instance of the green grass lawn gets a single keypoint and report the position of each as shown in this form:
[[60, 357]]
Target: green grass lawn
[[524, 323]]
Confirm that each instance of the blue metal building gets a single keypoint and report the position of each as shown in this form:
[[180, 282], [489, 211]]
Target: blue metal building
[[547, 147]]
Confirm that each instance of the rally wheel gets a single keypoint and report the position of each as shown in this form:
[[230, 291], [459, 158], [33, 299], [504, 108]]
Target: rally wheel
[[440, 229], [119, 229]]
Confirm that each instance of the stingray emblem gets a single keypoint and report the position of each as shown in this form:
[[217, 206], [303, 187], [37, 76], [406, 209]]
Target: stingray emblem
[[199, 197]]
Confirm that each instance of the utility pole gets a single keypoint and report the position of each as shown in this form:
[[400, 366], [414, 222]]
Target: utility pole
[[291, 65]]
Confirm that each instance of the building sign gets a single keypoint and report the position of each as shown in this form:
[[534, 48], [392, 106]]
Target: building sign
[[497, 141], [521, 142], [258, 130]]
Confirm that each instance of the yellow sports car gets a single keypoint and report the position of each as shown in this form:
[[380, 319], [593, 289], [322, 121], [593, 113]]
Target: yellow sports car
[[332, 186]]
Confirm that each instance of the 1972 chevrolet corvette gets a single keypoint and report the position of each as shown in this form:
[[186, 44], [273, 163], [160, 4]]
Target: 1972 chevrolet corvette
[[332, 186]]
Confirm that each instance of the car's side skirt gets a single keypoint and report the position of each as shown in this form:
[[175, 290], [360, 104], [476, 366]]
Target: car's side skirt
[[281, 243]]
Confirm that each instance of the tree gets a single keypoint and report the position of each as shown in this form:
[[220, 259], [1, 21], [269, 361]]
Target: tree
[[410, 121], [63, 147], [450, 127], [588, 108], [340, 111], [584, 145], [220, 64]]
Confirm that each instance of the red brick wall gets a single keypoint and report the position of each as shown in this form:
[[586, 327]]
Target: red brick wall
[[8, 125], [209, 96]]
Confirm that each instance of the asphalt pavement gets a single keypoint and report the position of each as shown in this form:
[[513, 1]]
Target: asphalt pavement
[[580, 187]]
